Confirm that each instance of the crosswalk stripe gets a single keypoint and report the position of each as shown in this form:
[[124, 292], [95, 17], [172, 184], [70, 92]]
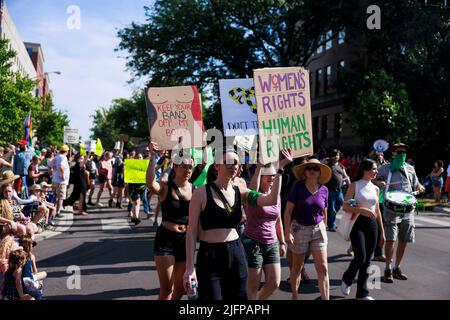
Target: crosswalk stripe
[[424, 220], [433, 221], [115, 224]]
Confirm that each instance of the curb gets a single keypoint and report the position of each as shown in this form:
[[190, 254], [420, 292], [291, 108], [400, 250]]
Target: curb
[[62, 224]]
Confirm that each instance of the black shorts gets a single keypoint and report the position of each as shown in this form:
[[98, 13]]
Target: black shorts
[[169, 243], [102, 178], [118, 181], [92, 176]]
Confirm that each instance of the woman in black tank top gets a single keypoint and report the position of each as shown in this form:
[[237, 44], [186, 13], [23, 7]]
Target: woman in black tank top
[[170, 246], [214, 213]]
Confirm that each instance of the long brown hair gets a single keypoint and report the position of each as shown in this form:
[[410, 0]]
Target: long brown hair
[[27, 245], [17, 260]]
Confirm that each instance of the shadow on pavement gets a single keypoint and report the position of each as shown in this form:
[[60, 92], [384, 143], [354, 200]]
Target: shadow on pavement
[[104, 252], [108, 295]]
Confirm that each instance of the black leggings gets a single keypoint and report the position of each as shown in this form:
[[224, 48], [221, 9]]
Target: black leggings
[[222, 271], [363, 238], [379, 249]]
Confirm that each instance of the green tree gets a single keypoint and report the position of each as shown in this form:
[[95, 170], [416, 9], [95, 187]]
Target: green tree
[[16, 99], [381, 109], [125, 116], [202, 41], [50, 123]]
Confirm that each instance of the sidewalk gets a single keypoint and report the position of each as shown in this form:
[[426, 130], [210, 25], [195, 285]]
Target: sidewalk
[[61, 225]]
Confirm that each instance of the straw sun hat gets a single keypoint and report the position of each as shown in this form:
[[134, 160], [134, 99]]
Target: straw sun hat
[[325, 171], [8, 177]]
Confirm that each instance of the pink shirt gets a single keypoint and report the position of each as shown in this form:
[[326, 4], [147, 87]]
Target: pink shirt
[[260, 224]]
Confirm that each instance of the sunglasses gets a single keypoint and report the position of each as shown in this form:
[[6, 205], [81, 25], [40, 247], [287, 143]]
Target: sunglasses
[[314, 168], [187, 167], [230, 165]]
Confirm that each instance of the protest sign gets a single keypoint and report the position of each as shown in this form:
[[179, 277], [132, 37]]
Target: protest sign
[[175, 117], [237, 98], [71, 135], [284, 111], [135, 170]]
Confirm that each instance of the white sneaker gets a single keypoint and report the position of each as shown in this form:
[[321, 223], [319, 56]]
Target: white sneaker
[[99, 204], [366, 298], [345, 289]]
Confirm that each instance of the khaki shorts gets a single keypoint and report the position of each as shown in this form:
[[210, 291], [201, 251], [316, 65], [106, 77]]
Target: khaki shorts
[[401, 226], [60, 190], [309, 238]]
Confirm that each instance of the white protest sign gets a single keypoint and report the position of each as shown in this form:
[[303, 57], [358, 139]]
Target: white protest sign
[[71, 135], [237, 98]]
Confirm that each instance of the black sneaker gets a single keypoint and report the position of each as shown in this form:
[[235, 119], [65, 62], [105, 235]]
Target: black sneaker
[[137, 221], [110, 203], [398, 274], [90, 203], [388, 276]]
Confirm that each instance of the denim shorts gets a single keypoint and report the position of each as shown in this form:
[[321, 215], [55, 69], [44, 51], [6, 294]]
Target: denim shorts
[[259, 254]]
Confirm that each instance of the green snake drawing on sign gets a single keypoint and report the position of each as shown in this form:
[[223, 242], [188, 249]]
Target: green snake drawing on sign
[[242, 95]]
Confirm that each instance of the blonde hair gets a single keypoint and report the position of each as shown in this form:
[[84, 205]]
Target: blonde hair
[[6, 210], [6, 245]]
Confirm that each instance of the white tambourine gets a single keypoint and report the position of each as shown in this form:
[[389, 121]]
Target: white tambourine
[[381, 145]]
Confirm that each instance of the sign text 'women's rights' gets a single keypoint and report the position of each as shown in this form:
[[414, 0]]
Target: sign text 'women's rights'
[[284, 111], [175, 116]]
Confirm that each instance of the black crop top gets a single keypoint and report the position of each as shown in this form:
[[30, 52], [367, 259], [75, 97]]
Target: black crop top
[[175, 211], [215, 217]]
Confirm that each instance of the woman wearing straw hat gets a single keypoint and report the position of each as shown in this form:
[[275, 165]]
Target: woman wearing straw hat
[[305, 219], [9, 212]]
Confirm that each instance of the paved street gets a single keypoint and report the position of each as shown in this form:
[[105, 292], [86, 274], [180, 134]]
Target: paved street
[[116, 260]]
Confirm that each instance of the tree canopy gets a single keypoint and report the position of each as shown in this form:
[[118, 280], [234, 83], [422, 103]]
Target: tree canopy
[[202, 41], [17, 99]]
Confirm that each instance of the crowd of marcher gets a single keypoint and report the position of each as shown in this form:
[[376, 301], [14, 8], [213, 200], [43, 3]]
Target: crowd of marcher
[[245, 217]]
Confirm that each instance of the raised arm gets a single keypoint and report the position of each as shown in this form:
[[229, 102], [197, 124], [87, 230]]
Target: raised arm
[[254, 198], [151, 182], [254, 183]]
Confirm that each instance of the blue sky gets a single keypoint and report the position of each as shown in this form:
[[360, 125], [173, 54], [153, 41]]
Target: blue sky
[[92, 73]]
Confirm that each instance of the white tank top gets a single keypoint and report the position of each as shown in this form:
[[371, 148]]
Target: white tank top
[[366, 194]]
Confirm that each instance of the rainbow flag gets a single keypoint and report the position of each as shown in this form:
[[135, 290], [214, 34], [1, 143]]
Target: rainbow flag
[[28, 126]]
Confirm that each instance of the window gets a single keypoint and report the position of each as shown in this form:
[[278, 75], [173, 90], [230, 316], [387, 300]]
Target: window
[[30, 52], [329, 43], [315, 128], [324, 128], [341, 38], [318, 81], [320, 47], [328, 79], [337, 124]]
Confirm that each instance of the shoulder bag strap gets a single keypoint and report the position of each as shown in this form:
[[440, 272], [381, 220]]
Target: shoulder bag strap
[[222, 197]]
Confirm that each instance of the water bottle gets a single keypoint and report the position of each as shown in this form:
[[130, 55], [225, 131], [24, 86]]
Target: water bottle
[[352, 202], [194, 294]]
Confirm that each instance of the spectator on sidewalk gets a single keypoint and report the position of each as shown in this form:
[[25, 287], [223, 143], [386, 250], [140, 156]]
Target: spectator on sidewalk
[[22, 161], [32, 279], [61, 174], [436, 180], [12, 286]]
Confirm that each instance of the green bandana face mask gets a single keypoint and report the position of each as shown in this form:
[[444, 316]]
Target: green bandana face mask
[[398, 161]]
